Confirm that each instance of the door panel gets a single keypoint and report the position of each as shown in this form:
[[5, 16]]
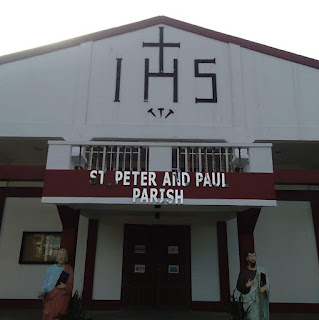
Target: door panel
[[164, 252], [137, 286]]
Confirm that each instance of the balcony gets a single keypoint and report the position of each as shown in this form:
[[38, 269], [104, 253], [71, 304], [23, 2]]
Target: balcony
[[186, 157], [129, 173]]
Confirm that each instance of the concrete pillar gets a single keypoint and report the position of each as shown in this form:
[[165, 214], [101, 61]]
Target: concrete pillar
[[70, 222], [246, 222], [90, 263], [315, 218], [223, 262]]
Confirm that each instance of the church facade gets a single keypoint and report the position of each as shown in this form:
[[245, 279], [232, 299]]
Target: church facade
[[158, 153]]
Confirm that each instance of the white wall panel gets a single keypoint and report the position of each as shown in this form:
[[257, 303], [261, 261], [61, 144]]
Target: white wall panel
[[280, 98], [39, 89], [23, 214], [286, 248], [80, 256], [306, 91], [205, 270], [108, 262]]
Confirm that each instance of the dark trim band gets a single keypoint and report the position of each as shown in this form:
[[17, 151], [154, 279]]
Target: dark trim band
[[20, 304], [296, 176], [213, 306], [294, 307], [22, 173]]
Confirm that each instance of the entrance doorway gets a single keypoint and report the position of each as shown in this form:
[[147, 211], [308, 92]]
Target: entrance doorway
[[156, 265]]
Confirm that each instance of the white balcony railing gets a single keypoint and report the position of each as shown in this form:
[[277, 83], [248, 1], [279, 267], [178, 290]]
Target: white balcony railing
[[209, 159], [138, 156], [111, 157]]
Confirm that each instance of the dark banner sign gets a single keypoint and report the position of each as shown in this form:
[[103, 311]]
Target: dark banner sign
[[157, 187]]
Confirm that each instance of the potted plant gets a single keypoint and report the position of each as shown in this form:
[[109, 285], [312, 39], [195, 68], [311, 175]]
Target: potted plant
[[76, 310], [235, 308]]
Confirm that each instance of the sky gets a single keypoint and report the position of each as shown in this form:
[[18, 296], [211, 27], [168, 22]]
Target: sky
[[288, 25]]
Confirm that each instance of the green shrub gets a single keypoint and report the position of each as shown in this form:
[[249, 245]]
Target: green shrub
[[76, 310], [235, 309]]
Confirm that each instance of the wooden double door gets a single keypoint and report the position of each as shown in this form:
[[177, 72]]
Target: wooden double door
[[156, 265]]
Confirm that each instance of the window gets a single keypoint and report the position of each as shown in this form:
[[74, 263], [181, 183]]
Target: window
[[39, 247]]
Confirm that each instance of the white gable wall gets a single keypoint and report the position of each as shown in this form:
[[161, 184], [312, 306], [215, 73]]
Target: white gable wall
[[129, 116], [70, 93], [280, 98], [38, 94]]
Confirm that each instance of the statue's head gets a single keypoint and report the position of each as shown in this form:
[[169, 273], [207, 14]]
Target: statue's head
[[62, 257], [251, 258]]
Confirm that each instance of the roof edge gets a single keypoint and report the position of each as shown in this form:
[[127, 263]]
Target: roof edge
[[167, 21]]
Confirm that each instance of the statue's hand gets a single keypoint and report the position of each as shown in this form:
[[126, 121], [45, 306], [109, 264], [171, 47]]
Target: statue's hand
[[249, 283], [61, 285], [262, 289]]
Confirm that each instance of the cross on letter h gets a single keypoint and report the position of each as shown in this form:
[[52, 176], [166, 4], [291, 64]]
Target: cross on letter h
[[161, 72]]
